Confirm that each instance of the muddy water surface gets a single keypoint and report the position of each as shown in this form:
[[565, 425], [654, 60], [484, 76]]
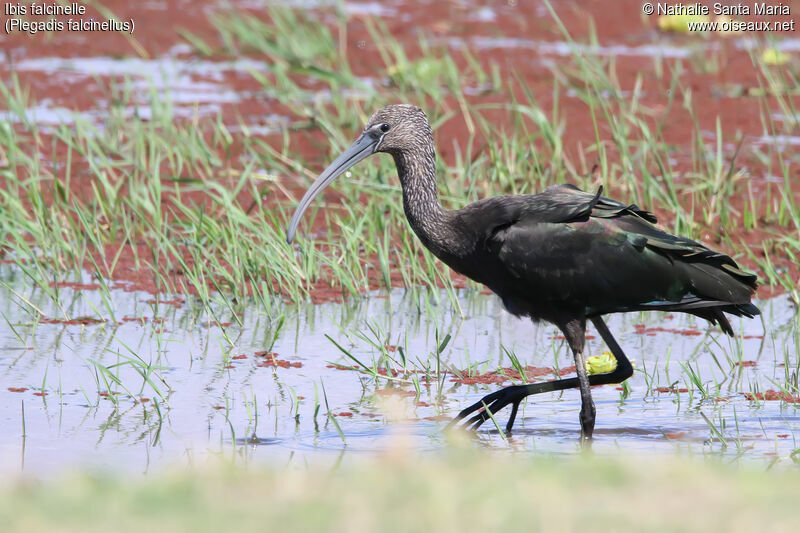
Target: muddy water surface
[[162, 382]]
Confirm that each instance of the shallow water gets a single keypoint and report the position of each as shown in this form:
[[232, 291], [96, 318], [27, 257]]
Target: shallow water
[[568, 49], [203, 401], [192, 87]]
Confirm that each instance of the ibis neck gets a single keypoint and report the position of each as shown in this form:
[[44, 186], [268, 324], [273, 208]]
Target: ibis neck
[[417, 171]]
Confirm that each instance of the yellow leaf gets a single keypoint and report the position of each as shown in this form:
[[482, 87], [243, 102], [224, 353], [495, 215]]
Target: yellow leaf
[[774, 57], [679, 23], [601, 364]]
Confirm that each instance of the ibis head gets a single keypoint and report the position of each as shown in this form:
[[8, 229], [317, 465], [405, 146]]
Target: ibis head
[[394, 129]]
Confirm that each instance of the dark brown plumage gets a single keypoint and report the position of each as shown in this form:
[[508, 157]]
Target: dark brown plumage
[[563, 255]]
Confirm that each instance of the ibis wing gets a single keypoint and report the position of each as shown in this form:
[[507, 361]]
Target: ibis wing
[[591, 263], [556, 204], [608, 257], [567, 203]]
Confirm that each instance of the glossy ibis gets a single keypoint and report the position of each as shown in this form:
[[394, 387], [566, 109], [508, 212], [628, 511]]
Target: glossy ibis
[[563, 256]]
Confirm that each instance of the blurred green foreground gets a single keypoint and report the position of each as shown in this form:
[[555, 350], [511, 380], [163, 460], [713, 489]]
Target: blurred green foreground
[[400, 492]]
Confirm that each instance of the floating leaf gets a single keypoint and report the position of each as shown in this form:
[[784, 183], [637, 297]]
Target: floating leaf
[[601, 364]]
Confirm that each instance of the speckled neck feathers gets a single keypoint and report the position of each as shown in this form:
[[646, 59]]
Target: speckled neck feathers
[[406, 134], [416, 167]]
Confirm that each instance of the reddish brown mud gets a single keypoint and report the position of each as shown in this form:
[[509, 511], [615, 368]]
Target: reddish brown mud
[[77, 321], [773, 395], [520, 37], [503, 375], [269, 359], [641, 329]]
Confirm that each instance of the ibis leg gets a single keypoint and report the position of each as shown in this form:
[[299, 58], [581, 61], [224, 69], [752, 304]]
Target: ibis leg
[[587, 404], [514, 394]]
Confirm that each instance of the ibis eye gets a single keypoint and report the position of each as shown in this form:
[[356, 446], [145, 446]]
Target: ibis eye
[[384, 127]]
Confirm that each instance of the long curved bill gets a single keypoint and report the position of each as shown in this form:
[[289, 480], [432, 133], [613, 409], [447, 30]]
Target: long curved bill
[[362, 148]]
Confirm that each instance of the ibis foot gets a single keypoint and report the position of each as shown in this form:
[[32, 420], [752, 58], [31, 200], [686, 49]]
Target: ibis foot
[[492, 403]]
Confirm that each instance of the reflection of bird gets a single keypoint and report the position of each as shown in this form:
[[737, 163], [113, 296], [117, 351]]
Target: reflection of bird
[[562, 255]]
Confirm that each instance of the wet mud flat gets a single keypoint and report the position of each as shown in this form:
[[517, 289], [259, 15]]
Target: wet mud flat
[[165, 381], [733, 110]]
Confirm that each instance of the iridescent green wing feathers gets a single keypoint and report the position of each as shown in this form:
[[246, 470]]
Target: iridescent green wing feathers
[[567, 245]]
